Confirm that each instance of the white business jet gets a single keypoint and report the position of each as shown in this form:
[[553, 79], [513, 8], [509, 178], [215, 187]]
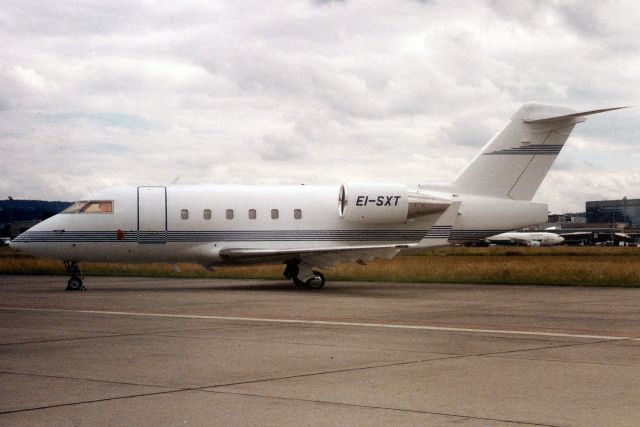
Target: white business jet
[[309, 228], [542, 238]]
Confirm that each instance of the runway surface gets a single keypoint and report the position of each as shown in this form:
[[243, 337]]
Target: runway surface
[[229, 352]]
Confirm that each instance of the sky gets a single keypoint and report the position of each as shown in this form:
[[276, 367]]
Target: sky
[[104, 93]]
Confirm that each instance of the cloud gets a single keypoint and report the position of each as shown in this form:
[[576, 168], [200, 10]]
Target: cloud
[[98, 94], [273, 148]]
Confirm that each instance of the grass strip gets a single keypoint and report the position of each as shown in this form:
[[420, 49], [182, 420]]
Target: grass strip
[[589, 266]]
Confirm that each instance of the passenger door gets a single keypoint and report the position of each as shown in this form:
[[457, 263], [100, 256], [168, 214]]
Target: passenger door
[[152, 215]]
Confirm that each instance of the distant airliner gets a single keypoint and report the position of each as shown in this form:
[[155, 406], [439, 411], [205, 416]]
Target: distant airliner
[[526, 238], [311, 227]]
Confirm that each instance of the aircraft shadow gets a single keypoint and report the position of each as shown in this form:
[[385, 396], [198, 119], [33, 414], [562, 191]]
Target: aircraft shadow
[[368, 289]]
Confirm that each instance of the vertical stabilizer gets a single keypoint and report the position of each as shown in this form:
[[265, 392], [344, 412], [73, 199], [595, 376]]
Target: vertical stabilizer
[[516, 160]]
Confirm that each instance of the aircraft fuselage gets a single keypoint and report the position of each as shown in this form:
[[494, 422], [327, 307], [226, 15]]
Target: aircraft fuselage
[[193, 223]]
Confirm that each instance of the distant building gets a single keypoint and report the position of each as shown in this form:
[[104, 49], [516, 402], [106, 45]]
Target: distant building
[[605, 222], [558, 218], [565, 220], [625, 211]]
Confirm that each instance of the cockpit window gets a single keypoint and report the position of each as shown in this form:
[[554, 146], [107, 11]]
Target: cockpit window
[[90, 206], [75, 207], [98, 206]]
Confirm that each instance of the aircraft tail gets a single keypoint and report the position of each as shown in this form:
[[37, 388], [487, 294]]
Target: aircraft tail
[[516, 160]]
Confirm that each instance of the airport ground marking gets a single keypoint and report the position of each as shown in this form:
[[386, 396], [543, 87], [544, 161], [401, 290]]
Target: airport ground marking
[[327, 323]]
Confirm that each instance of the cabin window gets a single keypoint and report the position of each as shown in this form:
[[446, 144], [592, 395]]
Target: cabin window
[[297, 213], [229, 214], [92, 206], [275, 214], [184, 214], [206, 214], [252, 214]]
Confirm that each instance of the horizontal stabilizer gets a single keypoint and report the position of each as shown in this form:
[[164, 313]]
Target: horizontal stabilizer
[[570, 116]]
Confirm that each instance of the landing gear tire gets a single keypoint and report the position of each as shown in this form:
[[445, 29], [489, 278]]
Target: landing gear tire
[[316, 282], [303, 277], [75, 284]]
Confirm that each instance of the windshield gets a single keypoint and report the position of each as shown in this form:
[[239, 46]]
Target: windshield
[[90, 206]]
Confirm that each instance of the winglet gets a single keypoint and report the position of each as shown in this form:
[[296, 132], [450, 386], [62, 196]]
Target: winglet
[[571, 116]]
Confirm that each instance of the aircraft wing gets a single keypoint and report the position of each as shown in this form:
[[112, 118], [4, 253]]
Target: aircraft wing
[[327, 257], [440, 232], [577, 233], [322, 257]]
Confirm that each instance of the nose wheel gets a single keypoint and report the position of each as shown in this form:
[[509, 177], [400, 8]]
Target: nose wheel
[[75, 282]]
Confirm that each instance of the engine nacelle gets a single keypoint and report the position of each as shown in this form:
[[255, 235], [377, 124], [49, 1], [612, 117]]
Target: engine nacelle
[[374, 203]]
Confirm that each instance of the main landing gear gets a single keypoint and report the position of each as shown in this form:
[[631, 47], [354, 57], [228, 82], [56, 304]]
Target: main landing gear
[[75, 282], [303, 276]]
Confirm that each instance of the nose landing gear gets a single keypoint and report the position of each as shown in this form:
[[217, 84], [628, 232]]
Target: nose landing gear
[[75, 282]]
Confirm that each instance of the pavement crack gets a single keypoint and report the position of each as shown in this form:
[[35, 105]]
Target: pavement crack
[[575, 344], [64, 339], [277, 341], [163, 333], [178, 390], [63, 377], [333, 371], [379, 407], [106, 399]]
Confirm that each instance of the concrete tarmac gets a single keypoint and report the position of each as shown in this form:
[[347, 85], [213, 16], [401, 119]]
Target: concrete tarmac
[[142, 351]]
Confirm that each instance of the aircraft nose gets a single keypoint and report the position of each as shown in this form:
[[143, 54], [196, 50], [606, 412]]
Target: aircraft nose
[[29, 241], [16, 246]]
